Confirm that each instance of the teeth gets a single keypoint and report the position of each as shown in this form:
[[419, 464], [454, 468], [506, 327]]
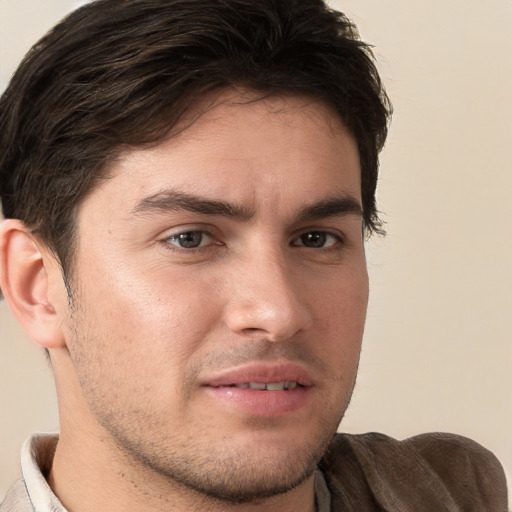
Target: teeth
[[270, 386], [276, 386], [256, 385]]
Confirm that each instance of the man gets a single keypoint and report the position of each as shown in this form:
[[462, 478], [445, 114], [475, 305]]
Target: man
[[186, 188]]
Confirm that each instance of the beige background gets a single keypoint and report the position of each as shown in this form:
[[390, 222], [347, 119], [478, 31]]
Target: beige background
[[438, 350]]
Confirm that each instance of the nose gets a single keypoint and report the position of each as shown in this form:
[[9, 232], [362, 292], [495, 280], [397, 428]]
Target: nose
[[265, 300]]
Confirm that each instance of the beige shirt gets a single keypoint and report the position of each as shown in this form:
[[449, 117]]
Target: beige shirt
[[32, 492]]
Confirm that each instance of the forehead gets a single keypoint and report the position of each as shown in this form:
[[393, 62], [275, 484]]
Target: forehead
[[242, 146]]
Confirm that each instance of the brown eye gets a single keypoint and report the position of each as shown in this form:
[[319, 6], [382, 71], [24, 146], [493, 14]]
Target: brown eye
[[316, 240]]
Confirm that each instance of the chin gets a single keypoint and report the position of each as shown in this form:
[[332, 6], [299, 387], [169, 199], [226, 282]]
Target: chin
[[238, 469], [247, 477]]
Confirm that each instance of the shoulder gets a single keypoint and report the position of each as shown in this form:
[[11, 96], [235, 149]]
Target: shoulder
[[454, 457], [434, 471]]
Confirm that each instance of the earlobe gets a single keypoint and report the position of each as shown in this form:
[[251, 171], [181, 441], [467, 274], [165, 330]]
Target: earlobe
[[24, 279]]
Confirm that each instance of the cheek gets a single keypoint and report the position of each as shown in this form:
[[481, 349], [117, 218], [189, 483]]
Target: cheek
[[161, 317], [132, 344], [340, 313], [342, 299]]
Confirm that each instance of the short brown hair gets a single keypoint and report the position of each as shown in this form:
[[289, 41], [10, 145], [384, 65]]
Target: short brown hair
[[123, 72]]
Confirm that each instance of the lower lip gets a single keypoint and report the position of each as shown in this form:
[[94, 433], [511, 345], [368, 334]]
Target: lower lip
[[264, 403]]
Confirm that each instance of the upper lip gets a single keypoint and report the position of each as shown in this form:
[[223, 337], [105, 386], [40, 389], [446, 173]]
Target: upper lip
[[261, 372]]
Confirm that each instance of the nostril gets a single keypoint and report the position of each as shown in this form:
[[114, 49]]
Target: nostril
[[251, 331]]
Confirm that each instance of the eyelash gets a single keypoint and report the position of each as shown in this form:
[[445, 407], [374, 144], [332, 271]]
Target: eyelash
[[338, 241], [175, 247]]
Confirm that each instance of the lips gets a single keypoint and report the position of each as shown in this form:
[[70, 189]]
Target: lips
[[262, 373], [266, 386], [262, 389]]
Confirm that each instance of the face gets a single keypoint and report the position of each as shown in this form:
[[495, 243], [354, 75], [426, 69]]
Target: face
[[219, 296]]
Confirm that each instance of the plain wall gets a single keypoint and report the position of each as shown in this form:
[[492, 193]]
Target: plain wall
[[437, 353]]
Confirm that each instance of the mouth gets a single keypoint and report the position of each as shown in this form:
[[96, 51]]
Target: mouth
[[264, 386], [262, 389], [280, 376]]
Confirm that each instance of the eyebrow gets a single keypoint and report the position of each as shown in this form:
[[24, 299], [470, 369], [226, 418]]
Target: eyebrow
[[331, 207], [171, 200]]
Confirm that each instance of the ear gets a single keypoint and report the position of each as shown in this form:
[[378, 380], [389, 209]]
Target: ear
[[24, 280]]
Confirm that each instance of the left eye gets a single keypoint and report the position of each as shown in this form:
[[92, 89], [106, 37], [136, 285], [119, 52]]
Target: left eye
[[190, 239], [316, 240]]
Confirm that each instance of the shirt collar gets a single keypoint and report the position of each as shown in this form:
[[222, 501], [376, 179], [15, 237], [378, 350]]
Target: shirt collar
[[36, 460]]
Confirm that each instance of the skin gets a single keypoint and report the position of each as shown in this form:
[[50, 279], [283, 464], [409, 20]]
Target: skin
[[151, 323]]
